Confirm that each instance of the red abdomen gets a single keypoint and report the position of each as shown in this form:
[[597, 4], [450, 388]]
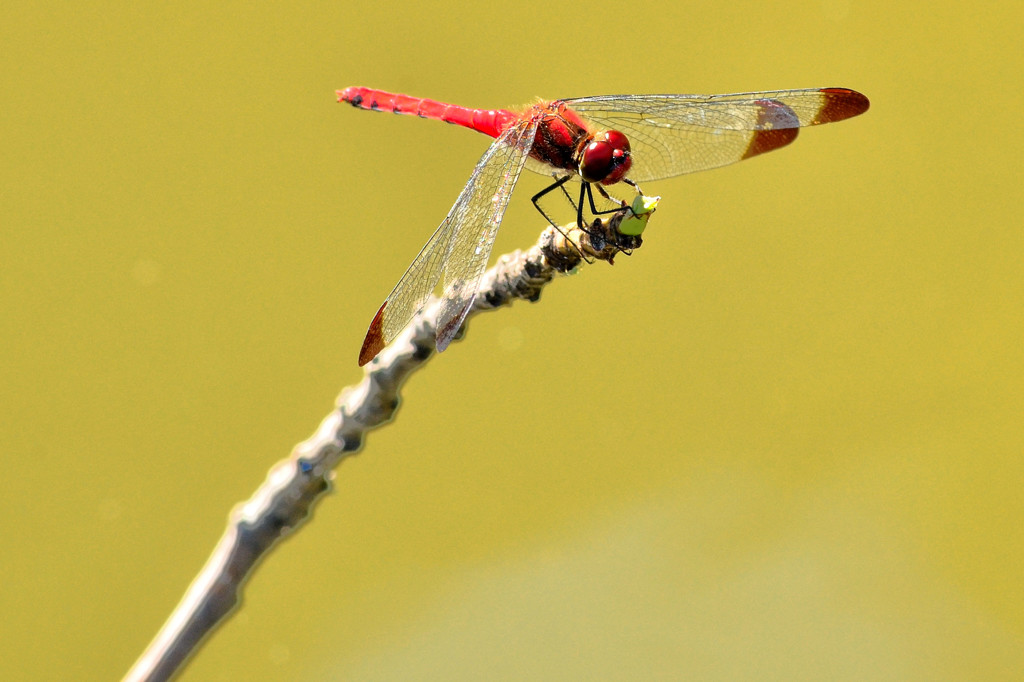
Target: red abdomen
[[488, 121]]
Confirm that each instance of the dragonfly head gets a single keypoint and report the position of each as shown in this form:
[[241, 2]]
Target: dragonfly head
[[605, 158]]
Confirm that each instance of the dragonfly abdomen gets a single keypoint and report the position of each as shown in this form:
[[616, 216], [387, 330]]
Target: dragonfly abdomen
[[487, 121]]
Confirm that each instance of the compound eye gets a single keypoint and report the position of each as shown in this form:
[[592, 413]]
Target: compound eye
[[606, 159]]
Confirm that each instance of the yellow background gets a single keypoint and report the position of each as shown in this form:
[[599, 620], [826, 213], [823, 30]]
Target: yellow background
[[782, 441]]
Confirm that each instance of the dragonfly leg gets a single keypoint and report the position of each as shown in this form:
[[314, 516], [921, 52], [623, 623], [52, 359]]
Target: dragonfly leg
[[550, 188], [640, 192], [560, 184], [633, 185], [565, 193], [621, 204], [576, 205]]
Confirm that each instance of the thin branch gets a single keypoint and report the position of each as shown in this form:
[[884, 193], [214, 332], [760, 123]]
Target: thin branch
[[293, 485]]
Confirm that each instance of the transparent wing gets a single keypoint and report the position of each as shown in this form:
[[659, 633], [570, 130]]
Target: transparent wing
[[489, 188], [459, 247], [676, 134]]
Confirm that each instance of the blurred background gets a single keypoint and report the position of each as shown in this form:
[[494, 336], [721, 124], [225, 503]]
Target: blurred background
[[782, 441]]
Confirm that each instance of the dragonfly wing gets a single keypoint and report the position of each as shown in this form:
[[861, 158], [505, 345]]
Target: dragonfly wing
[[676, 134], [409, 294], [466, 233], [487, 195]]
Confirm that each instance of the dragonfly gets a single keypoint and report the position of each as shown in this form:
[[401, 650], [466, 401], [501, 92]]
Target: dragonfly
[[598, 141]]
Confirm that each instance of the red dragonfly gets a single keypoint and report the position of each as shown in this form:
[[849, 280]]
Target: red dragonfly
[[598, 140]]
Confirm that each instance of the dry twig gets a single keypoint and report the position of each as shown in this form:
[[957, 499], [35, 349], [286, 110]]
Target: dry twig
[[294, 484]]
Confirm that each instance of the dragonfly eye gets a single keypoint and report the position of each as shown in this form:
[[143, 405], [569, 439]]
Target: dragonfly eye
[[606, 158]]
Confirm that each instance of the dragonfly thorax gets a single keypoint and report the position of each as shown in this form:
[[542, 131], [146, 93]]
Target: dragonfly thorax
[[604, 158]]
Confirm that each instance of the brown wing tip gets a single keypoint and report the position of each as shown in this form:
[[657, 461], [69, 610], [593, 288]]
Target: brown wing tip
[[768, 140], [374, 341], [841, 103], [777, 126]]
